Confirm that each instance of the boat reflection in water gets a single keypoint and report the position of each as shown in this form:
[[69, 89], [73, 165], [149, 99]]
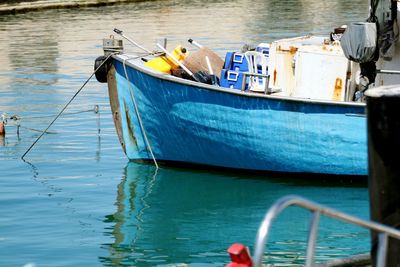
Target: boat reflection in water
[[176, 216]]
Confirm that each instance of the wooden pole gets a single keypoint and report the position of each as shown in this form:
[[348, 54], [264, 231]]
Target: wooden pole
[[383, 120]]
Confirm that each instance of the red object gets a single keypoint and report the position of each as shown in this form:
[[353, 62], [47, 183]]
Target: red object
[[240, 256]]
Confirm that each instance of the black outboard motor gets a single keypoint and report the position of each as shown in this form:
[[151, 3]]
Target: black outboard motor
[[359, 44]]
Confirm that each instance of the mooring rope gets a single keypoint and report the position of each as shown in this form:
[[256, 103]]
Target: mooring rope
[[17, 118], [138, 114], [69, 102], [31, 129]]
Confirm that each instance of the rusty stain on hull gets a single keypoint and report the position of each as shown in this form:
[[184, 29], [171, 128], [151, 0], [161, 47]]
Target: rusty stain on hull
[[131, 134]]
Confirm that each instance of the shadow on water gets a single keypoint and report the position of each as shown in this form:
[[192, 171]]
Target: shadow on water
[[177, 216], [296, 179]]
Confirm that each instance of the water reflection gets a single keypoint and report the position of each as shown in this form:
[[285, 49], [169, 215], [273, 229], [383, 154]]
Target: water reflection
[[40, 65], [187, 217], [36, 34], [132, 193], [31, 55]]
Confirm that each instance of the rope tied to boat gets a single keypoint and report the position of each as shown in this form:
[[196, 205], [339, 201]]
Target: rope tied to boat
[[69, 102], [16, 120], [138, 113]]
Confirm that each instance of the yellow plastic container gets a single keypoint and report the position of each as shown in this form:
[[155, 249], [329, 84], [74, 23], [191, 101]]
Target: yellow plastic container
[[180, 54], [166, 64], [160, 63]]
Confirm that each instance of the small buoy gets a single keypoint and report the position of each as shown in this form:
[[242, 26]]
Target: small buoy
[[2, 129], [240, 256]]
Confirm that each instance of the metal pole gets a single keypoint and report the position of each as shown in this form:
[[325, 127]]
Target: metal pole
[[133, 42], [177, 62], [193, 42], [382, 250], [312, 239]]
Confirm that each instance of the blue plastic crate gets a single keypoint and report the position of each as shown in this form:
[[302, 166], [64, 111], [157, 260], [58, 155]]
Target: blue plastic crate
[[228, 60], [231, 79], [236, 62]]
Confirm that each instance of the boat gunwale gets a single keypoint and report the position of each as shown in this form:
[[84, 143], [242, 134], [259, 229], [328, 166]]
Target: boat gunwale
[[127, 59]]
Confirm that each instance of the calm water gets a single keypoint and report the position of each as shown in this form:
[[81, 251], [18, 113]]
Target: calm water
[[78, 202]]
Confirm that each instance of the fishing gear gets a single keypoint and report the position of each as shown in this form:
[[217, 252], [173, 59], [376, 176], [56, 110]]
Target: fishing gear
[[178, 62]]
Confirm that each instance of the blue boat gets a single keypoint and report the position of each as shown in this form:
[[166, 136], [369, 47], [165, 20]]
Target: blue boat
[[173, 120]]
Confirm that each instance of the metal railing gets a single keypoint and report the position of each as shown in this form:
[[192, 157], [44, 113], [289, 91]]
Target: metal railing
[[267, 90], [384, 232]]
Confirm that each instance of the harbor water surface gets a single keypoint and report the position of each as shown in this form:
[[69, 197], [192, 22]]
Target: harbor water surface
[[77, 201]]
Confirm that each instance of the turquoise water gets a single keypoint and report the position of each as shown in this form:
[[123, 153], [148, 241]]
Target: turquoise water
[[77, 201]]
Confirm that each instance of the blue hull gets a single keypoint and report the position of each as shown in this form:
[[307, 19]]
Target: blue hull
[[201, 124]]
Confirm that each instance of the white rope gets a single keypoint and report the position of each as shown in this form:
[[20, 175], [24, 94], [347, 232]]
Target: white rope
[[138, 115]]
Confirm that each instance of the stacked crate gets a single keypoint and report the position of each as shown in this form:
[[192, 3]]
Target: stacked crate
[[232, 73], [234, 66]]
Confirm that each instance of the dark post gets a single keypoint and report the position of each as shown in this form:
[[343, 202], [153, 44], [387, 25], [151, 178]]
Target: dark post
[[383, 119]]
